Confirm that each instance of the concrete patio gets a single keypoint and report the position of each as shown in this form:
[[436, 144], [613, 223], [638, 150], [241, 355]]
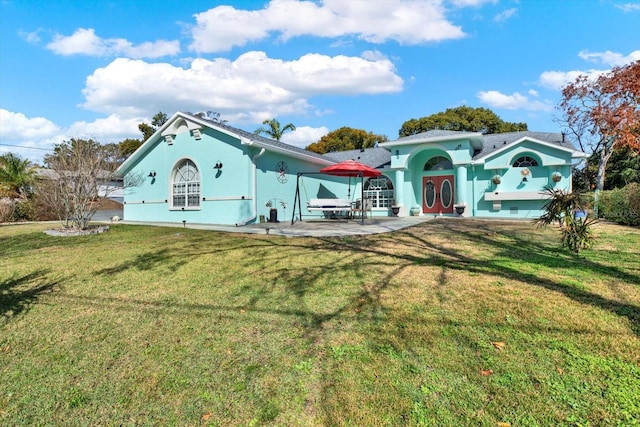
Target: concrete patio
[[310, 228]]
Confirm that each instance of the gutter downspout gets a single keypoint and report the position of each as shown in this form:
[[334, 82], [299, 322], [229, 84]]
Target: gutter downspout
[[254, 177]]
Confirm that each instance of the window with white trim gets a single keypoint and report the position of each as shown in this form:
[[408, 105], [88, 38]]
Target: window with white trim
[[185, 186], [438, 163], [380, 191], [525, 162]]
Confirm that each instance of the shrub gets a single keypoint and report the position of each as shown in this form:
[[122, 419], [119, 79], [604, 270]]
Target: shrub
[[25, 210], [621, 205], [7, 209], [569, 210]]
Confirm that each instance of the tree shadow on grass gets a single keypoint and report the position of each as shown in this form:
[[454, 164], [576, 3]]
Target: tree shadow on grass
[[418, 250], [17, 294]]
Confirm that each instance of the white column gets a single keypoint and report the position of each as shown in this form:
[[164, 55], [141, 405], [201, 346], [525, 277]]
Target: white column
[[461, 185], [399, 192]]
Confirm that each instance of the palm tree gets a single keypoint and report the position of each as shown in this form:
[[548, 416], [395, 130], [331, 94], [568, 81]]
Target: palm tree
[[16, 175], [569, 210], [274, 130]]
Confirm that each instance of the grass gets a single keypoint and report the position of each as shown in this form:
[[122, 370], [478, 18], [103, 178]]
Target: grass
[[454, 322]]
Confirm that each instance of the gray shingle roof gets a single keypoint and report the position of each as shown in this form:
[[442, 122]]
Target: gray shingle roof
[[497, 141], [433, 134], [375, 157]]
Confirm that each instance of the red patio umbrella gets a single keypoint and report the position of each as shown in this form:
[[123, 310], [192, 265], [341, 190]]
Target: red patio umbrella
[[352, 168]]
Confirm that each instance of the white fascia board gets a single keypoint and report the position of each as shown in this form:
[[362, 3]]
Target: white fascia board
[[133, 158], [399, 142], [295, 154], [520, 141]]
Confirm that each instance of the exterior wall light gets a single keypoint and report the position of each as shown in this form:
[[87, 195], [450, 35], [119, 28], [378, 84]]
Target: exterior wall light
[[152, 174], [218, 165]]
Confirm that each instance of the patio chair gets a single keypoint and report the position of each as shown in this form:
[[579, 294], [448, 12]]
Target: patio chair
[[360, 209]]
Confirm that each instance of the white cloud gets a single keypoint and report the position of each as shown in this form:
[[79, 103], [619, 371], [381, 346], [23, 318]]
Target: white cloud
[[34, 137], [613, 59], [109, 129], [515, 101], [304, 135], [85, 42], [558, 79], [252, 83], [17, 126], [629, 7], [405, 21], [505, 15], [32, 37], [472, 3]]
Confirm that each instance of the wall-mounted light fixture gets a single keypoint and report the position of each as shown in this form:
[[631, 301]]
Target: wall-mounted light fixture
[[152, 174], [218, 165], [397, 153], [196, 133], [168, 139]]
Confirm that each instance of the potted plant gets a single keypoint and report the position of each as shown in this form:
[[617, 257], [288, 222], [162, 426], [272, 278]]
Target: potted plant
[[273, 212], [556, 176], [395, 209], [496, 179]]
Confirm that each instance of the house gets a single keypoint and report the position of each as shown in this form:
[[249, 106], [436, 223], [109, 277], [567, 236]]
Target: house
[[200, 171]]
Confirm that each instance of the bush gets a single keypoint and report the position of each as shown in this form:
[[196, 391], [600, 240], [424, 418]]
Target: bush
[[7, 209], [25, 210], [621, 205]]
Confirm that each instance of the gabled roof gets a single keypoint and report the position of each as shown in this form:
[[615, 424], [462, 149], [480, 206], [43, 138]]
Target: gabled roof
[[245, 137], [375, 157], [437, 136], [497, 142]]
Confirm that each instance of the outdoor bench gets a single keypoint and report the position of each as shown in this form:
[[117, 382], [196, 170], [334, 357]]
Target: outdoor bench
[[330, 205]]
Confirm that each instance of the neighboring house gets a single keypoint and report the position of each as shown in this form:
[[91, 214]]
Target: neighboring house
[[200, 171]]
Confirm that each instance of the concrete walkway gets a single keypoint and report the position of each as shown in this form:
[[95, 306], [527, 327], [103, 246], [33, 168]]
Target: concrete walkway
[[311, 228]]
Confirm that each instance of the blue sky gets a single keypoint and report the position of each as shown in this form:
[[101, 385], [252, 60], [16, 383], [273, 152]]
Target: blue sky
[[98, 68]]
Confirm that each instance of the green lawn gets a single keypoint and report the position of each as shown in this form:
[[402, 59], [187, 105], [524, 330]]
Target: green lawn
[[453, 322]]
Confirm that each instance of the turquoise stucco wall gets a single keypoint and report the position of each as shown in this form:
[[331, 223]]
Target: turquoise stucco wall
[[412, 158], [227, 195], [472, 181]]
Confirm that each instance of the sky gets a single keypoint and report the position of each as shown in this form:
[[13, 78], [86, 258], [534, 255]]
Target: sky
[[96, 69]]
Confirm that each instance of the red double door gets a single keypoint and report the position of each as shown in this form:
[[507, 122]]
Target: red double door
[[437, 194]]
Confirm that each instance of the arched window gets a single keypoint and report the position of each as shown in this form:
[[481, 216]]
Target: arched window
[[185, 185], [438, 163], [525, 162], [380, 191]]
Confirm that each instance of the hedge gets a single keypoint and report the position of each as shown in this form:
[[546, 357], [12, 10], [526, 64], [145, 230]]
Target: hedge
[[621, 205]]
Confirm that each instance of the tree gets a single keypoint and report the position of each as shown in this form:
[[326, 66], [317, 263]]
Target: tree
[[80, 178], [604, 113], [569, 210], [127, 146], [16, 176], [274, 130], [461, 119], [149, 129], [344, 139], [622, 168]]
